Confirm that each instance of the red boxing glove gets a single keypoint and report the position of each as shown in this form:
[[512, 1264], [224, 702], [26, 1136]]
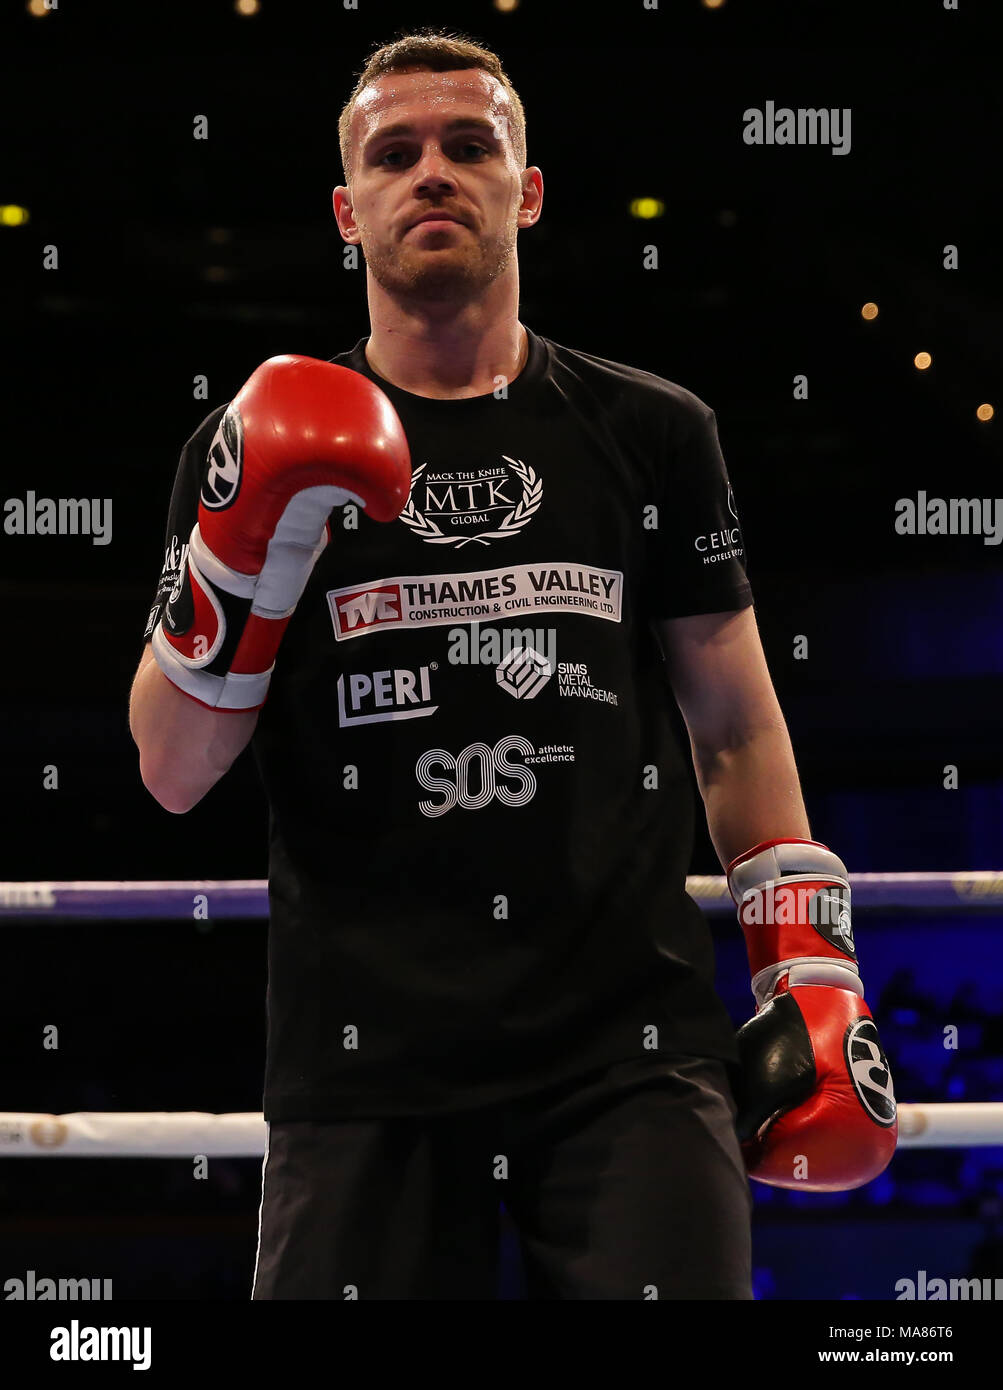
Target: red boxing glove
[[300, 437], [816, 1109]]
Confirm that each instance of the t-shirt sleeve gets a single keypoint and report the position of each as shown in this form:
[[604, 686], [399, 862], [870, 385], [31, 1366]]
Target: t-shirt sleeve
[[696, 550], [182, 514]]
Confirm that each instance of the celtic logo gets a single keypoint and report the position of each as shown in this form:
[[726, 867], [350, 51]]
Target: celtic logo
[[511, 523]]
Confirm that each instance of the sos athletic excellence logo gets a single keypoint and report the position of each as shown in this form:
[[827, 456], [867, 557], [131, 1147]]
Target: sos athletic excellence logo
[[457, 506], [482, 773]]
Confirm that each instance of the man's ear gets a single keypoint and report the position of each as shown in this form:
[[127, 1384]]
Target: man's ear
[[344, 213], [532, 196]]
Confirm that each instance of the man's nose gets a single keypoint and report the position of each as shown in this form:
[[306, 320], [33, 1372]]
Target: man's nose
[[432, 173]]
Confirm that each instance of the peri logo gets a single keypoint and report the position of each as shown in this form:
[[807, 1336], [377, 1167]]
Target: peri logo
[[455, 507], [523, 673], [226, 456], [869, 1071]]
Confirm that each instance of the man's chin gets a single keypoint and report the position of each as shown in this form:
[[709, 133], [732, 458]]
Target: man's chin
[[432, 276]]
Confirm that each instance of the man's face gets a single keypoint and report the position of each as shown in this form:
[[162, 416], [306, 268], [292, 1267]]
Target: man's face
[[436, 142]]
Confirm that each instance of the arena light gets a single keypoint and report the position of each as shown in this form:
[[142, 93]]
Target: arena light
[[985, 412], [922, 360], [869, 311], [647, 208]]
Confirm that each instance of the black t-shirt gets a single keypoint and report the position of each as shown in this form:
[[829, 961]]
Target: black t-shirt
[[481, 815]]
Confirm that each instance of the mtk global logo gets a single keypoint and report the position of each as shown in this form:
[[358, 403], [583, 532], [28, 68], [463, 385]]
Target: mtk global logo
[[457, 506]]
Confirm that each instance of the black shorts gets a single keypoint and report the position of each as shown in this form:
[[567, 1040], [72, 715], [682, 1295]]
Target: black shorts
[[628, 1183]]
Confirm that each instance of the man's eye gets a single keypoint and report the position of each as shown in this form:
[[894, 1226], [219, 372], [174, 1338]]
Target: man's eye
[[465, 149]]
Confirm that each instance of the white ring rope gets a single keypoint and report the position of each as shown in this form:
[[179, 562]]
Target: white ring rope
[[218, 899], [187, 1133], [184, 1134]]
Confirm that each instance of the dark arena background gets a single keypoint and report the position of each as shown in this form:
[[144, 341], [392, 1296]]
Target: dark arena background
[[841, 313]]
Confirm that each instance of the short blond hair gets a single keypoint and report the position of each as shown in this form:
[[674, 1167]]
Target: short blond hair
[[432, 51]]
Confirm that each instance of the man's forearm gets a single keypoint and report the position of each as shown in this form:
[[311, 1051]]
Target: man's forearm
[[751, 792], [184, 748]]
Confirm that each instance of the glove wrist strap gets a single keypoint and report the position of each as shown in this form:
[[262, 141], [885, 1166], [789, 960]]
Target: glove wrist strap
[[806, 970]]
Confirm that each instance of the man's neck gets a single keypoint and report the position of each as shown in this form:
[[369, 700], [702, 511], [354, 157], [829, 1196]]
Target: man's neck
[[447, 357]]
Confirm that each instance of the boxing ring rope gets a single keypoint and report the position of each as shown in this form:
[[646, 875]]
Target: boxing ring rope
[[248, 897], [177, 1134], [185, 1133]]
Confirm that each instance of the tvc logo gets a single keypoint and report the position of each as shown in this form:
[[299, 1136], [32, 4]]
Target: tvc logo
[[478, 766], [355, 612]]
